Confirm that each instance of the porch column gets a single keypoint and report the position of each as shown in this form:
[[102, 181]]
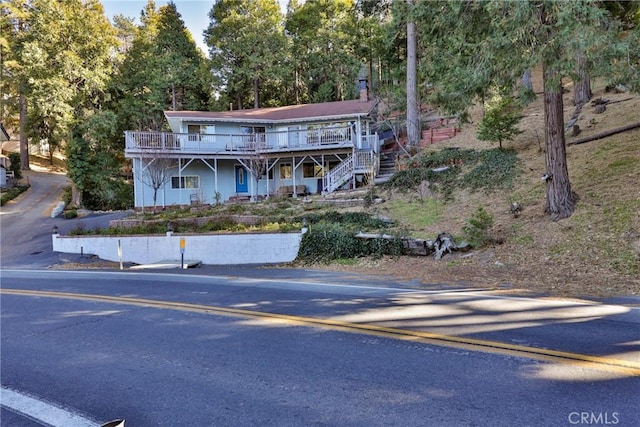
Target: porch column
[[137, 166], [253, 188], [267, 172], [215, 175], [180, 180], [293, 172]]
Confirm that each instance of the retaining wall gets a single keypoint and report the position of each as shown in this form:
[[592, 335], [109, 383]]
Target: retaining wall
[[212, 249]]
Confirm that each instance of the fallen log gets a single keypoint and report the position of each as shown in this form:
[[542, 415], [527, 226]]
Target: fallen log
[[443, 243], [605, 134]]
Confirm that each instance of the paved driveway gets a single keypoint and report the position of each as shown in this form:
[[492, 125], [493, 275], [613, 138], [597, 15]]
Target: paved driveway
[[26, 223]]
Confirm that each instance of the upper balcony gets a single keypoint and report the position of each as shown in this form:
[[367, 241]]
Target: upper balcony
[[158, 143]]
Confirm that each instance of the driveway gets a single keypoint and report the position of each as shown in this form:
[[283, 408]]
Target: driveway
[[26, 223]]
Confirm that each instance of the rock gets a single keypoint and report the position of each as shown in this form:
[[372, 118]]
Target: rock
[[515, 209], [575, 131]]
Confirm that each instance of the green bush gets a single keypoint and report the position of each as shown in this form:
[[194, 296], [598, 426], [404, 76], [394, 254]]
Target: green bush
[[327, 241], [500, 120], [476, 231], [14, 159], [489, 169], [70, 214], [352, 220], [12, 193], [67, 195], [497, 169]]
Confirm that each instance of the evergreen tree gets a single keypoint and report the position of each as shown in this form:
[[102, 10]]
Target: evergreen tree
[[94, 159], [162, 70], [325, 46], [62, 52], [247, 48]]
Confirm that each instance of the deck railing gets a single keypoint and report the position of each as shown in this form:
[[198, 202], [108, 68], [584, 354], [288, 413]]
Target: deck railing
[[139, 141]]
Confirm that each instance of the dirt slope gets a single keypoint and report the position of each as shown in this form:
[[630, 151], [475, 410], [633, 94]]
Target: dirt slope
[[595, 252]]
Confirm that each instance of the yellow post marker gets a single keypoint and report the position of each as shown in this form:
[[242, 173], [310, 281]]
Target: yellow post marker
[[183, 244]]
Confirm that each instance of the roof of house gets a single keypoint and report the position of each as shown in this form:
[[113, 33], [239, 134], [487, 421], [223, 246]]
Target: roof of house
[[290, 113]]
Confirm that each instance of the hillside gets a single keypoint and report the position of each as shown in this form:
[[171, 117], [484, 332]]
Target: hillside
[[595, 252]]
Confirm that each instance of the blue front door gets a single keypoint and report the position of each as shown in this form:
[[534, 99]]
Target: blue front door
[[242, 186]]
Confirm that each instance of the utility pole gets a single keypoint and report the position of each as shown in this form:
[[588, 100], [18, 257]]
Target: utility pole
[[413, 121]]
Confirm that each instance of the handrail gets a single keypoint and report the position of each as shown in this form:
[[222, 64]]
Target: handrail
[[338, 176], [213, 143]]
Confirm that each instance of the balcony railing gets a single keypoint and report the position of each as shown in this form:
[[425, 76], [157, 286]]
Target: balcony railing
[[309, 139]]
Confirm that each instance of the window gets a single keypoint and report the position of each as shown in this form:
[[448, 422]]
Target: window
[[194, 132], [185, 181], [254, 134], [312, 170], [285, 171]]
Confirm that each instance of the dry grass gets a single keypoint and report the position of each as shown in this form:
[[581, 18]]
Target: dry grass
[[595, 252]]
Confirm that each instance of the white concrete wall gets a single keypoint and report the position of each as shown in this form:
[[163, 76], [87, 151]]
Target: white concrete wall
[[212, 249]]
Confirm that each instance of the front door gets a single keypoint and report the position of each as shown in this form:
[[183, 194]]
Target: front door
[[242, 186]]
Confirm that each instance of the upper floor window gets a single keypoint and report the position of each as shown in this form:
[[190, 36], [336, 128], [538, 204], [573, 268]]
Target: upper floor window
[[253, 134], [194, 132]]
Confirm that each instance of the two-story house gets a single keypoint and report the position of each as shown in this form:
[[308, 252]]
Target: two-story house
[[247, 154]]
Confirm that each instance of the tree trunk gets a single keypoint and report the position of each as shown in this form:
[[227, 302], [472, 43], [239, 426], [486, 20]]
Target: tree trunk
[[526, 82], [582, 87], [527, 94], [606, 134], [24, 144], [560, 199], [76, 196], [413, 124], [256, 103]]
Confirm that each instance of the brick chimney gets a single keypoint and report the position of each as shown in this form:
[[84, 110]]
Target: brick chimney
[[364, 92]]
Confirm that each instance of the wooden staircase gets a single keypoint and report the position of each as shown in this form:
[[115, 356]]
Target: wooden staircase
[[359, 163], [387, 167]]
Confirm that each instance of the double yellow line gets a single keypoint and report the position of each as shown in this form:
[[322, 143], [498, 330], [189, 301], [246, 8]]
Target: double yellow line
[[624, 367]]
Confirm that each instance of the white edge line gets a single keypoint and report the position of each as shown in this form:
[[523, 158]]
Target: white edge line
[[42, 411]]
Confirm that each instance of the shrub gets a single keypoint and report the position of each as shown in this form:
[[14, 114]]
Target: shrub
[[476, 231], [12, 193], [497, 169], [67, 195], [332, 235], [70, 214], [14, 159], [500, 120]]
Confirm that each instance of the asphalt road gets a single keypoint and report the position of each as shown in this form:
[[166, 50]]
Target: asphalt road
[[167, 365]]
